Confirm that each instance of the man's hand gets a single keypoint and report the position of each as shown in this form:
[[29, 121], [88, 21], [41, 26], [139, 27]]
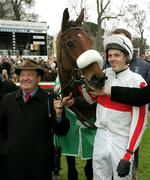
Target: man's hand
[[123, 168], [100, 92], [58, 106], [68, 100]]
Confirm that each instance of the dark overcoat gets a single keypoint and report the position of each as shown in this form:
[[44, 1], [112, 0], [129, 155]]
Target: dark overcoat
[[6, 86], [25, 137]]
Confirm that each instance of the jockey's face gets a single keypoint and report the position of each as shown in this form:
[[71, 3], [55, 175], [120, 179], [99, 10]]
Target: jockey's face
[[29, 80], [117, 60]]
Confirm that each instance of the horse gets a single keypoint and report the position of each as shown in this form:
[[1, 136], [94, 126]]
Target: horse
[[73, 47], [71, 42]]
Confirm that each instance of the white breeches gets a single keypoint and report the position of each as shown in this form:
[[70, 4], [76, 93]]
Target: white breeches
[[109, 148]]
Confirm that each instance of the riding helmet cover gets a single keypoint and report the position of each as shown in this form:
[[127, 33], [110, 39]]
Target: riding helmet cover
[[120, 42]]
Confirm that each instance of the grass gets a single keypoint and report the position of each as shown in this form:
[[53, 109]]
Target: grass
[[79, 164], [144, 160]]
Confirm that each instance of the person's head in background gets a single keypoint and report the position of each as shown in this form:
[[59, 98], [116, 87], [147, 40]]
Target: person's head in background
[[4, 74], [122, 32]]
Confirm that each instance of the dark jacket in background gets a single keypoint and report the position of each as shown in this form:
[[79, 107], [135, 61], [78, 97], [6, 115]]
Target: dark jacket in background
[[5, 65], [6, 86], [141, 67]]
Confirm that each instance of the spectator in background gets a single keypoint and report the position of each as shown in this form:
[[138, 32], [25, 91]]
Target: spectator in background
[[50, 70], [142, 57], [5, 65], [5, 75], [148, 58], [15, 78], [6, 86]]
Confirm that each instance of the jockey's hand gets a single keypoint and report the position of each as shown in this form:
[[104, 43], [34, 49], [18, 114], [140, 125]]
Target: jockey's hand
[[68, 100], [123, 168], [100, 92], [58, 106]]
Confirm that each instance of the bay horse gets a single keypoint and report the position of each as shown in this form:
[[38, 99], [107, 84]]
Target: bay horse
[[73, 49], [76, 67], [71, 42]]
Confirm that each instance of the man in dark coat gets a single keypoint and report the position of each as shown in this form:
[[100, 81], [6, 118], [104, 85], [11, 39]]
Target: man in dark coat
[[26, 128]]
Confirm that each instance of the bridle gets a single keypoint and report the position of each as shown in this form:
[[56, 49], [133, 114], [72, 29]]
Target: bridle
[[75, 69], [74, 79], [79, 115], [70, 29]]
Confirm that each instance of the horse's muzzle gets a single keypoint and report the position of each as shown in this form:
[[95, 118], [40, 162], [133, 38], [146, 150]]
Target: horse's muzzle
[[98, 82]]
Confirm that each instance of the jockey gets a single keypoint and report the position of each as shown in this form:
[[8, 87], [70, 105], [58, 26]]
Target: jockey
[[119, 127]]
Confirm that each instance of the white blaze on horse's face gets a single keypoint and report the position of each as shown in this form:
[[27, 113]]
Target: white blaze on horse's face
[[79, 35], [91, 64]]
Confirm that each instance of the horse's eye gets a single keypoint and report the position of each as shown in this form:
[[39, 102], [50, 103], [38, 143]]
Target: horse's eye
[[70, 44]]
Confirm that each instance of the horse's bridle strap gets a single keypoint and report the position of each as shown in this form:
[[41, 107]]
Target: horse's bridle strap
[[70, 29]]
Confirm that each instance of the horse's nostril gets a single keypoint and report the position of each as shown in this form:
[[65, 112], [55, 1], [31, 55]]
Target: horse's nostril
[[97, 82]]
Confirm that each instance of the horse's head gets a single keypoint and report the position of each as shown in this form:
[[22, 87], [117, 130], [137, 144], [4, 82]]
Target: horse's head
[[71, 42], [74, 40]]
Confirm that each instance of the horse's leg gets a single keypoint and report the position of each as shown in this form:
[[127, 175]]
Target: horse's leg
[[88, 170], [135, 164], [57, 157], [72, 171]]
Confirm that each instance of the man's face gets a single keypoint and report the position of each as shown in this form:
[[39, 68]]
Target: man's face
[[29, 80], [117, 60]]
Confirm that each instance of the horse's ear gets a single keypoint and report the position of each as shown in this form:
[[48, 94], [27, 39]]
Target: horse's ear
[[80, 18], [65, 19]]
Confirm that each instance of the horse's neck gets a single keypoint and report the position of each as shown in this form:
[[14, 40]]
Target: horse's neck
[[67, 84]]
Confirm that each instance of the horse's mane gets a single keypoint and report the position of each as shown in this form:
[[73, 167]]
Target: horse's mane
[[63, 75], [57, 44]]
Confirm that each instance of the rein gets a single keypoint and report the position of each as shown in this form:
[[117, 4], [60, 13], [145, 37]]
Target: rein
[[85, 121], [73, 79], [79, 115]]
